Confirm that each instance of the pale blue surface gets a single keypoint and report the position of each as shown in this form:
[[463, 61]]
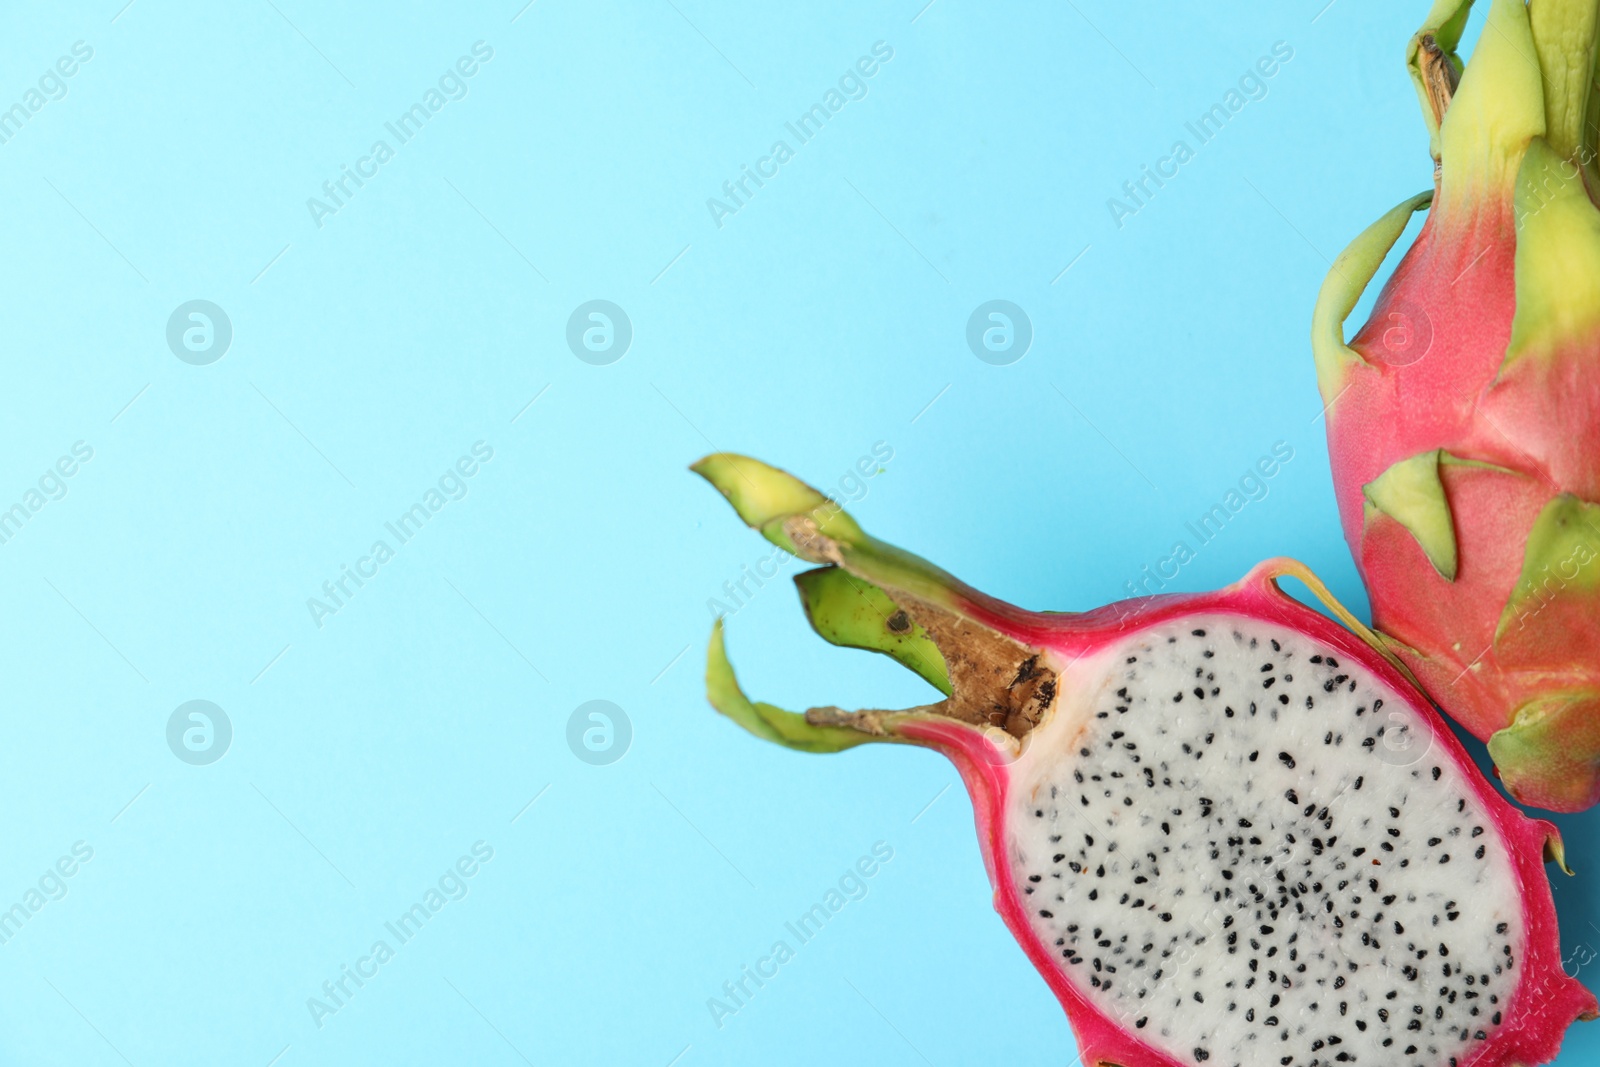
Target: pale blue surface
[[372, 352]]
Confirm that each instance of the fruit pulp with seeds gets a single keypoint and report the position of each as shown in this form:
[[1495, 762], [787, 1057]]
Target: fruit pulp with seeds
[[1225, 836]]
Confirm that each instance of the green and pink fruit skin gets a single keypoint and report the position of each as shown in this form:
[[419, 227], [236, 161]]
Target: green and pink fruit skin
[[1547, 999], [1463, 419]]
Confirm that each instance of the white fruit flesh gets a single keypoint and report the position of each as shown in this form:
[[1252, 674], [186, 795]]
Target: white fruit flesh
[[1248, 852]]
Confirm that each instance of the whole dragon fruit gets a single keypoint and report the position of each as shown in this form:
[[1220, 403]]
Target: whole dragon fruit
[[1464, 417], [1224, 829]]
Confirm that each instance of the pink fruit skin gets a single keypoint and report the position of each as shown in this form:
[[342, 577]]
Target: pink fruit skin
[[1546, 1001], [1539, 417]]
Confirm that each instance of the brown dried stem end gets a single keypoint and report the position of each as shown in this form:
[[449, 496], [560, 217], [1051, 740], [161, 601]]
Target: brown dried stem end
[[995, 681]]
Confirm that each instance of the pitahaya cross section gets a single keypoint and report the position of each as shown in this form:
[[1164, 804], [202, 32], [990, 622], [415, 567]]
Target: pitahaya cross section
[[1227, 831]]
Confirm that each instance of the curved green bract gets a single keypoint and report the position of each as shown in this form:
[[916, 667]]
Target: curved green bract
[[765, 496], [849, 611], [1557, 257], [786, 728], [1411, 493], [1564, 36], [1497, 109], [1558, 562], [1352, 272], [782, 507], [1548, 754]]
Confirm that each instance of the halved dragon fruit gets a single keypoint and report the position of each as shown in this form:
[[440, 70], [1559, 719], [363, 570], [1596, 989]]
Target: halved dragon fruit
[[1464, 417], [1224, 829]]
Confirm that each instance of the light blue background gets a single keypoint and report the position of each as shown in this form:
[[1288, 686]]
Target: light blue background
[[369, 353]]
